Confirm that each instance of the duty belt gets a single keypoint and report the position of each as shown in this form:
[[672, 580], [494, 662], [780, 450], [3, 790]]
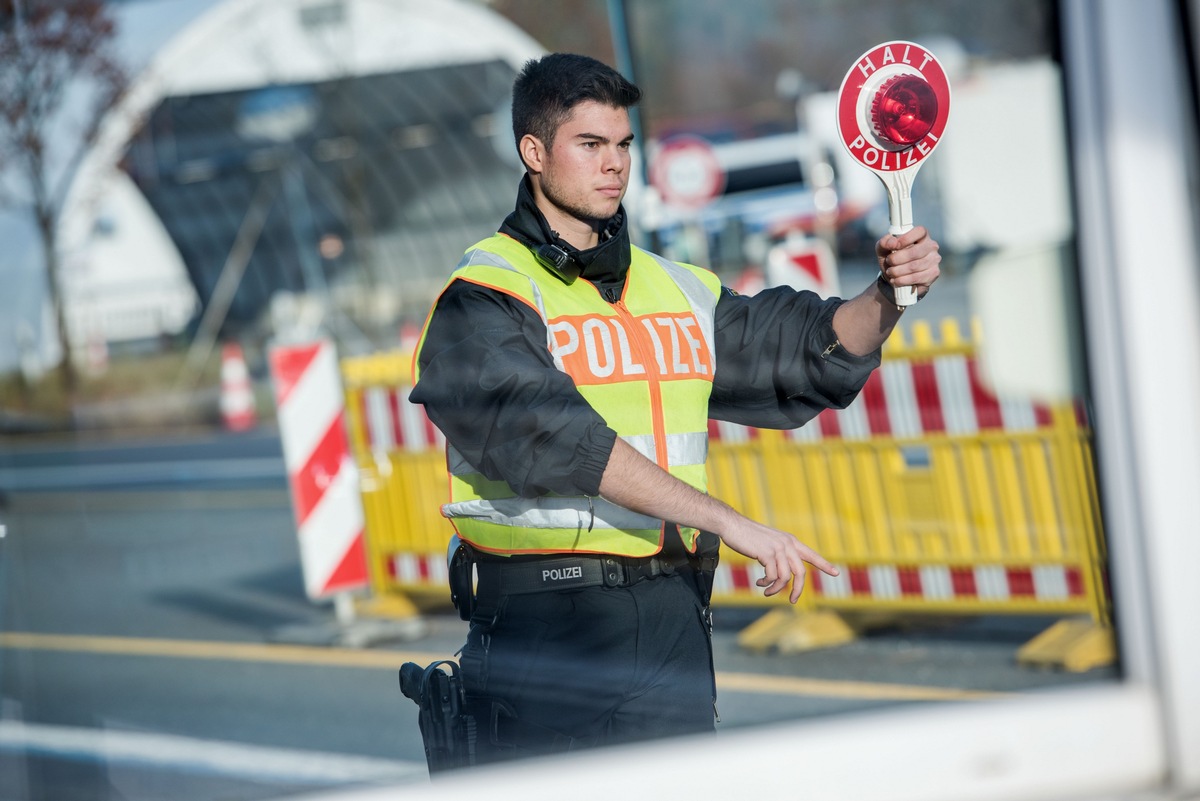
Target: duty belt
[[512, 577]]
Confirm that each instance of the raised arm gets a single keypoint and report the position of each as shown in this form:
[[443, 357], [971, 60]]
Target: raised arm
[[911, 259]]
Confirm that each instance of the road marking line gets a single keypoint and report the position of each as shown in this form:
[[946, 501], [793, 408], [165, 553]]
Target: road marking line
[[213, 649], [221, 757], [57, 477], [387, 659], [794, 685]]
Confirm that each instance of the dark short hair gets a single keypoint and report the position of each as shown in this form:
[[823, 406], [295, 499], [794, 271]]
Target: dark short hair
[[548, 88]]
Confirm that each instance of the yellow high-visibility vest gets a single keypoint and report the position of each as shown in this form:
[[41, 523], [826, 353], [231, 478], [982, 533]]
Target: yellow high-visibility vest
[[645, 364]]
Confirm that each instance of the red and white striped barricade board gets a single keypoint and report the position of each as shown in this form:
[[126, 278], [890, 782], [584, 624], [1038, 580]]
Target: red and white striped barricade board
[[321, 472], [391, 423], [909, 400]]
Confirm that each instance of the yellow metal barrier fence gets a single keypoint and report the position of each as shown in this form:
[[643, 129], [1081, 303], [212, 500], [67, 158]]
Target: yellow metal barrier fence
[[930, 494], [402, 466]]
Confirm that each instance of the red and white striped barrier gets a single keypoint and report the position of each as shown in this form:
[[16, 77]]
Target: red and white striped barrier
[[321, 472], [419, 569], [909, 399], [393, 423], [983, 583], [933, 583]]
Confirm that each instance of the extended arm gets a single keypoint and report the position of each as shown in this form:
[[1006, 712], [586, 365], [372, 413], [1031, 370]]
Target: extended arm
[[633, 481]]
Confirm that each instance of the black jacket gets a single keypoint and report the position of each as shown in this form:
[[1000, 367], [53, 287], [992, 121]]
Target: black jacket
[[488, 382]]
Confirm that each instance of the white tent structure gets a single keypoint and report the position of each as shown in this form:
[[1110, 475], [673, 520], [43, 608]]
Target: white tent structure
[[160, 205]]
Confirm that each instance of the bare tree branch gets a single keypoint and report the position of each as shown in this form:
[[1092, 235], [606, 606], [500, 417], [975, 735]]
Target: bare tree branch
[[51, 52]]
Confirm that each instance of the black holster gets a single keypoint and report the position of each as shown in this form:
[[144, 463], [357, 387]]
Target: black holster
[[704, 562], [457, 731], [460, 730], [460, 565]]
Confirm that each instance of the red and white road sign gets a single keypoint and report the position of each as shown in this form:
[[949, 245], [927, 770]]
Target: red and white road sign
[[321, 471], [893, 106], [803, 262], [686, 172], [891, 113]]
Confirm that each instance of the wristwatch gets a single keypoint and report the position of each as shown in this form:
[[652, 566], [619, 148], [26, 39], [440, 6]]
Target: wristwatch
[[889, 291]]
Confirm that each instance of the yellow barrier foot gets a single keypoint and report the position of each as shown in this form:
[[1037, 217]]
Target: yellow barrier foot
[[396, 607], [1076, 645], [366, 622], [359, 623], [762, 634], [788, 631]]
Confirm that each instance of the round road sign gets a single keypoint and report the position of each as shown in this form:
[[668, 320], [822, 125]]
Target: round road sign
[[686, 172], [893, 106]]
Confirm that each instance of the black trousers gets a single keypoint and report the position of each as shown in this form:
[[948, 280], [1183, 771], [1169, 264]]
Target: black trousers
[[600, 665]]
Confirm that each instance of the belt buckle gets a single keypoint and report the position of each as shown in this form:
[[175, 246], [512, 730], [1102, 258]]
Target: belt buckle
[[615, 572], [646, 569]]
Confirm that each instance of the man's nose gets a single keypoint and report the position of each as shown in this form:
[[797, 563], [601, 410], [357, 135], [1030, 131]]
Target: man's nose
[[614, 160]]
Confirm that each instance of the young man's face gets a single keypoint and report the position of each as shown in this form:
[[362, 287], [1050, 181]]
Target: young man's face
[[585, 173]]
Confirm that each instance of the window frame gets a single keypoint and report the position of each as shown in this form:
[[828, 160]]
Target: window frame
[[1130, 112]]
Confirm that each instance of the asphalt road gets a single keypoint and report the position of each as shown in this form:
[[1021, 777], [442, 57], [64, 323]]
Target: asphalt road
[[156, 640]]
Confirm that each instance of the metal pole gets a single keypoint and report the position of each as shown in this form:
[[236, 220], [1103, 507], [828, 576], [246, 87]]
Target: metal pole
[[622, 49], [228, 282]]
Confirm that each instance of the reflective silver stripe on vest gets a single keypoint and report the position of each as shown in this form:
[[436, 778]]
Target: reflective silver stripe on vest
[[682, 450], [480, 256], [699, 296], [552, 512]]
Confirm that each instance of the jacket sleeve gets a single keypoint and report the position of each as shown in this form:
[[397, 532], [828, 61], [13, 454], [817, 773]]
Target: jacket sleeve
[[488, 382], [779, 362]]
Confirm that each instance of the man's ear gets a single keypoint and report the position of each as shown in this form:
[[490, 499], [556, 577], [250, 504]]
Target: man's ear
[[532, 152]]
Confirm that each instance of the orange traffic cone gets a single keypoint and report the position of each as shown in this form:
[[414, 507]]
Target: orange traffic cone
[[237, 395]]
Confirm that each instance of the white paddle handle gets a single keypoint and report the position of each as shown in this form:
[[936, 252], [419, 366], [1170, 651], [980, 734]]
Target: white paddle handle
[[899, 186]]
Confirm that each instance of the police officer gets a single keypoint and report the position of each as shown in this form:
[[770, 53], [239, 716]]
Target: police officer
[[573, 375]]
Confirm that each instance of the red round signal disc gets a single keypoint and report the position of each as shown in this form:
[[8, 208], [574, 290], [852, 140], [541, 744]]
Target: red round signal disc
[[893, 106], [904, 110]]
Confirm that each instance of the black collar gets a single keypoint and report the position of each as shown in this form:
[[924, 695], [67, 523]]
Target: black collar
[[605, 264]]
